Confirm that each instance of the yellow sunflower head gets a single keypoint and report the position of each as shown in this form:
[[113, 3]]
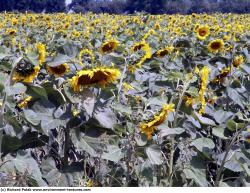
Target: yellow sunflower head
[[109, 46], [41, 48], [25, 72], [89, 54], [202, 32], [11, 32], [149, 127], [59, 70], [216, 45], [99, 76]]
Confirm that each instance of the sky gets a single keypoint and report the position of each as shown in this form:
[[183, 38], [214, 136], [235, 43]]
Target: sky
[[68, 1]]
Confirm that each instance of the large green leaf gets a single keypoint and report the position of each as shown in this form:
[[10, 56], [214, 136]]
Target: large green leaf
[[112, 153], [202, 144], [154, 154]]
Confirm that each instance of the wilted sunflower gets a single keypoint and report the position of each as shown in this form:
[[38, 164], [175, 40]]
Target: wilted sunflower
[[216, 45], [202, 32], [149, 127], [59, 70], [163, 52], [238, 60], [220, 78], [25, 72], [100, 76], [147, 50], [109, 46]]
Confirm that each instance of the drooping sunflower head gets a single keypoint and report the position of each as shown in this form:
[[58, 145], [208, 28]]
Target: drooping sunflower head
[[25, 72], [238, 60], [59, 70], [137, 46], [149, 127], [202, 32], [216, 45], [163, 52], [220, 77], [100, 76], [109, 46]]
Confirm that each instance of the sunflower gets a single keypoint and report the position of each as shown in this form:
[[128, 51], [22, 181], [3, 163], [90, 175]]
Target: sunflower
[[25, 72], [126, 87], [11, 32], [59, 70], [204, 75], [238, 60], [189, 100], [138, 46], [216, 45], [96, 76], [220, 78], [42, 52], [149, 127], [109, 46], [202, 32], [24, 102], [147, 50], [86, 52], [163, 52]]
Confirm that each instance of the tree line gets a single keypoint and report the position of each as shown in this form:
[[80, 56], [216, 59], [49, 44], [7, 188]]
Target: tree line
[[128, 6]]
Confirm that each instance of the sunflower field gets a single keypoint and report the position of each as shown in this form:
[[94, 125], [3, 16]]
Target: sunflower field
[[124, 100]]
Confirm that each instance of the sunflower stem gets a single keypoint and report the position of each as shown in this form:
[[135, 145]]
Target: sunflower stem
[[172, 142], [228, 148], [66, 147]]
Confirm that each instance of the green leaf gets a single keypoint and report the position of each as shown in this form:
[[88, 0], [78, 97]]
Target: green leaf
[[219, 132], [235, 96], [37, 92], [24, 163], [233, 126], [10, 144], [204, 120], [32, 117], [50, 123], [87, 144], [53, 176], [58, 60], [169, 131], [196, 171], [202, 144], [222, 116], [154, 154], [113, 153], [122, 109], [71, 95], [5, 66], [105, 117], [16, 89]]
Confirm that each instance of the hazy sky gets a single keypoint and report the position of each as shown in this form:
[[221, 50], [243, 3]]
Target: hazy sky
[[68, 1]]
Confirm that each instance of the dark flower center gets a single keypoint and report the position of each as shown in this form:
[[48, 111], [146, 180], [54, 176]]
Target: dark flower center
[[61, 69], [216, 45], [24, 68]]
